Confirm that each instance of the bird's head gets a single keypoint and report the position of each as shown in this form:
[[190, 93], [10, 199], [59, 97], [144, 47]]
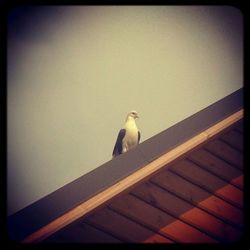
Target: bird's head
[[133, 114]]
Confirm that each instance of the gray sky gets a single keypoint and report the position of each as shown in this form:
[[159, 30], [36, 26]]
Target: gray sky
[[75, 72]]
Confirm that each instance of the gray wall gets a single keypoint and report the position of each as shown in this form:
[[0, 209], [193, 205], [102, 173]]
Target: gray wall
[[75, 72]]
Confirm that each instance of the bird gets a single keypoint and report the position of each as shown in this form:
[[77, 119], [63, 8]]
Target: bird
[[129, 136]]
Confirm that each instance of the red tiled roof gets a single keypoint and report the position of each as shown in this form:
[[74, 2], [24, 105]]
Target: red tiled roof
[[197, 198], [215, 171]]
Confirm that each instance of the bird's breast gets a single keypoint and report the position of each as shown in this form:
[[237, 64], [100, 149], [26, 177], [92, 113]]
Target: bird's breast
[[131, 137]]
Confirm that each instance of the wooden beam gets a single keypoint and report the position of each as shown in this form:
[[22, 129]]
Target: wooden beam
[[217, 128], [130, 180]]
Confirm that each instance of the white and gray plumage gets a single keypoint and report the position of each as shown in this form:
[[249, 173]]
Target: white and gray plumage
[[129, 136]]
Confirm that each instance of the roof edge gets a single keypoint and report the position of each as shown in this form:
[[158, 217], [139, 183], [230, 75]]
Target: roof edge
[[145, 172], [65, 199]]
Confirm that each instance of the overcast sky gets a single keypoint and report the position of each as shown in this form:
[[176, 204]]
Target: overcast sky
[[75, 72]]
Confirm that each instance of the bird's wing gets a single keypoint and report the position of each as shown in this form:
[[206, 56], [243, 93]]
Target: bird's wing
[[139, 136], [118, 145]]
